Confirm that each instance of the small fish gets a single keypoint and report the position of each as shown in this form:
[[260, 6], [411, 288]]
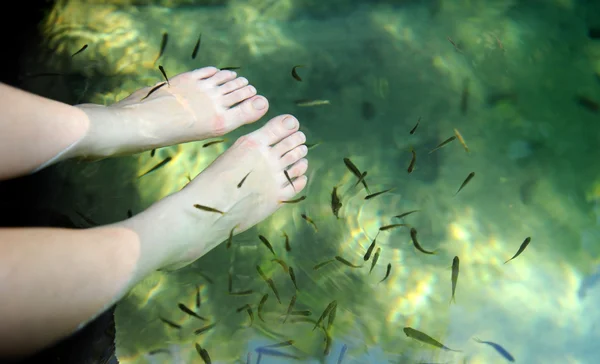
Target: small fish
[[310, 146], [81, 50], [159, 351], [261, 273], [361, 179], [282, 344], [290, 308], [328, 341], [197, 47], [152, 152], [230, 68], [498, 348], [208, 209], [241, 293], [387, 272], [185, 309], [129, 213], [406, 214], [295, 74], [413, 160], [299, 199], [261, 304], [308, 103], [392, 226], [368, 197], [370, 249], [250, 315], [412, 131], [156, 167], [198, 298], [328, 309], [301, 313], [243, 180], [345, 262], [455, 264], [375, 259], [204, 329], [162, 70], [454, 44], [587, 103], [170, 323], [203, 354], [288, 247], [282, 264], [336, 204], [322, 264], [274, 353], [424, 338], [153, 89], [342, 354], [310, 221], [461, 140], [293, 277], [331, 318], [230, 239], [287, 176], [163, 45], [352, 167], [464, 98], [87, 219], [213, 143], [413, 235], [469, 177], [271, 285], [521, 248], [442, 144], [267, 244]]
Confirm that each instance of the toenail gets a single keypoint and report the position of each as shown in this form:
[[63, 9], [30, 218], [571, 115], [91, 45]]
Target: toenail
[[290, 122], [259, 104]]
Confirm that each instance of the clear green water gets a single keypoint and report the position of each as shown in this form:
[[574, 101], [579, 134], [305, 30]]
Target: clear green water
[[510, 86]]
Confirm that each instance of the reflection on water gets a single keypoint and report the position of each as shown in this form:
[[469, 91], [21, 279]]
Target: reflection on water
[[508, 74]]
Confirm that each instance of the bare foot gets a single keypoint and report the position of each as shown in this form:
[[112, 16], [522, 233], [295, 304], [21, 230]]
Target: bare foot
[[193, 106], [174, 233]]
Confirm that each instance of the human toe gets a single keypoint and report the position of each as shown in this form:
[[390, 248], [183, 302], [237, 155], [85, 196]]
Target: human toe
[[205, 72], [233, 85], [238, 96], [296, 170], [276, 129], [288, 192], [289, 143], [246, 112]]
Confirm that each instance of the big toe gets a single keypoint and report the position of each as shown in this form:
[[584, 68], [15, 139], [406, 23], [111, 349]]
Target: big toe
[[276, 129]]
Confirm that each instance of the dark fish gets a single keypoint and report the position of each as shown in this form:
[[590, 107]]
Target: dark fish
[[154, 89], [129, 213], [406, 214], [81, 50], [392, 226], [368, 197], [306, 103], [282, 263], [361, 179], [328, 341], [587, 103], [197, 46], [413, 160], [230, 239], [290, 308], [498, 348], [230, 68], [367, 110], [87, 219], [163, 45], [310, 146], [345, 262], [464, 98], [331, 318], [261, 304], [152, 152], [336, 204], [469, 177], [170, 323], [162, 70], [204, 329], [302, 313], [203, 354], [271, 285], [454, 44], [370, 249], [328, 309], [208, 209], [299, 199], [241, 293], [275, 353], [455, 264], [267, 244], [521, 248], [387, 272], [375, 259], [320, 265], [342, 354], [594, 32], [159, 351], [461, 140], [412, 131], [424, 338], [310, 221], [443, 143], [185, 309], [198, 298], [156, 167], [288, 247], [243, 180], [213, 142], [287, 176], [295, 74], [413, 235], [261, 273], [282, 344], [251, 315], [352, 167], [293, 277]]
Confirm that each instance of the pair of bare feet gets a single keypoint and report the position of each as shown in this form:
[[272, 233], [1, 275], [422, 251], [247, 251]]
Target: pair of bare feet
[[198, 105]]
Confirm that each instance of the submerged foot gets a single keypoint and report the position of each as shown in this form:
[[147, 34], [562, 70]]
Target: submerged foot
[[192, 106], [182, 232]]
